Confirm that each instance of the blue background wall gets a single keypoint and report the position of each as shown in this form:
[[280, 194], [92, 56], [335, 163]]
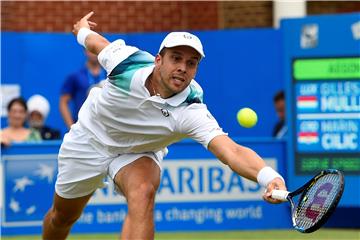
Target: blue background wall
[[242, 68]]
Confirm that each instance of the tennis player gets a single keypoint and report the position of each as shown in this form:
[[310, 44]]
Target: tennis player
[[124, 128]]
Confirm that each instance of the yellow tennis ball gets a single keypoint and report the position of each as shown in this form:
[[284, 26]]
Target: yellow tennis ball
[[247, 117]]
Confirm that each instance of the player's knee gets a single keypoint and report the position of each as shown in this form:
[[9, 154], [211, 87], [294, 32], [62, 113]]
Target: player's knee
[[143, 193], [63, 219]]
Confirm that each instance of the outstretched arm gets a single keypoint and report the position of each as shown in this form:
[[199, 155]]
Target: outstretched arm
[[91, 40], [244, 162]]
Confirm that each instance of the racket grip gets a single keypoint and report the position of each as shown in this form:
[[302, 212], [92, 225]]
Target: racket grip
[[279, 194]]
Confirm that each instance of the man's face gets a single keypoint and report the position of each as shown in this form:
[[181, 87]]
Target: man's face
[[177, 68], [280, 109], [36, 119]]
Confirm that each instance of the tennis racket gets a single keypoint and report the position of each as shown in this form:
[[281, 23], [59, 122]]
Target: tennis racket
[[318, 199]]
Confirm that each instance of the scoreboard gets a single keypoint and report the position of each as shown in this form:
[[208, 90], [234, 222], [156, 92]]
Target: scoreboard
[[327, 114], [321, 61]]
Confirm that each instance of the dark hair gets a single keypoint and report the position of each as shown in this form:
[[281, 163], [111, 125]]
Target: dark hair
[[280, 95], [17, 100], [162, 52]]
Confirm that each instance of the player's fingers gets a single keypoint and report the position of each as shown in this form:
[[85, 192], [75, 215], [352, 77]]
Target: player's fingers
[[92, 24], [278, 184], [87, 16], [273, 200], [269, 199]]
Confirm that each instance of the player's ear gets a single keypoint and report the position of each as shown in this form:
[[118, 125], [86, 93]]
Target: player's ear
[[158, 59]]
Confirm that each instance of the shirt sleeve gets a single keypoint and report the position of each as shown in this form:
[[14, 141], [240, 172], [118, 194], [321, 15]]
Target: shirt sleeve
[[115, 53], [198, 123]]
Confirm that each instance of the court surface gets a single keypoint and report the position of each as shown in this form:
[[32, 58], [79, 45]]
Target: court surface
[[322, 234]]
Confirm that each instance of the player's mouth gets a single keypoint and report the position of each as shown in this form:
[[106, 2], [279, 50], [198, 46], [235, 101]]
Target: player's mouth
[[178, 80]]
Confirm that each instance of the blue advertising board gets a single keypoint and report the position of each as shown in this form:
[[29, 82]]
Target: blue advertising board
[[322, 73], [197, 192]]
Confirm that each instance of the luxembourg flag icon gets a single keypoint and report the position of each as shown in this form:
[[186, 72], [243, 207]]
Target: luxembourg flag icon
[[307, 102], [308, 137]]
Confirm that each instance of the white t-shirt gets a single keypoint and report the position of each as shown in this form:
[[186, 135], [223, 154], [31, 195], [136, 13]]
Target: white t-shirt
[[124, 118]]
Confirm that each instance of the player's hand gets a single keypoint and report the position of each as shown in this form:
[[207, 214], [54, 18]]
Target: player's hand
[[278, 184], [84, 22]]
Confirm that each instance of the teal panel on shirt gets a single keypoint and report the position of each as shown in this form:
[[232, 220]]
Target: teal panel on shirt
[[195, 95], [122, 74]]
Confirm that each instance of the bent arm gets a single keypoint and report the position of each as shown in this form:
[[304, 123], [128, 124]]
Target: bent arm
[[93, 41]]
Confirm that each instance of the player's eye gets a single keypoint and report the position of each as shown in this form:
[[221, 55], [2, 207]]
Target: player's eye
[[176, 58], [191, 64]]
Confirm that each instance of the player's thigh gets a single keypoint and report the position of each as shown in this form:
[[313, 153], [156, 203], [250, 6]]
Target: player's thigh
[[81, 165], [144, 172]]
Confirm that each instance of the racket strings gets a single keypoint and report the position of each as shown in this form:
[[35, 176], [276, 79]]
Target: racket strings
[[316, 202]]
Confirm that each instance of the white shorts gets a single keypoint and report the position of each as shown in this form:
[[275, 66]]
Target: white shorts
[[83, 167]]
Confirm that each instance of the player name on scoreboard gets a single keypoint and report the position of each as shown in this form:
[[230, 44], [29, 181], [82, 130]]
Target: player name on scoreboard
[[328, 116], [329, 134], [327, 121]]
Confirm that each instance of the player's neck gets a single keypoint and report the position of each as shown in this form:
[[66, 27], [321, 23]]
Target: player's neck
[[155, 86], [151, 86]]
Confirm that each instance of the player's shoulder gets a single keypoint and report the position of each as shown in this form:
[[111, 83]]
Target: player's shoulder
[[195, 94], [114, 54]]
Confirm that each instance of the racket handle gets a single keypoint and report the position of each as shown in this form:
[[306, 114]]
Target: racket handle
[[279, 194]]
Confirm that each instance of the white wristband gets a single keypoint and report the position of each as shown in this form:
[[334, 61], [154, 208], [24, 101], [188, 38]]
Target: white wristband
[[82, 35], [266, 175]]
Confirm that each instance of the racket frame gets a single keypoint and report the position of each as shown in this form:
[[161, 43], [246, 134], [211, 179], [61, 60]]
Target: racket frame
[[304, 189]]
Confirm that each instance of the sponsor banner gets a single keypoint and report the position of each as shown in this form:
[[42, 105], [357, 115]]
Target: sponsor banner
[[29, 187], [193, 180], [188, 216], [194, 194]]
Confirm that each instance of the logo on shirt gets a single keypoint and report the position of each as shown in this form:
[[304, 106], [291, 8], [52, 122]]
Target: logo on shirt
[[165, 112]]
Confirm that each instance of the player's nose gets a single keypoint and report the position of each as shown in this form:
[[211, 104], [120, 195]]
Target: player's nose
[[181, 67]]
